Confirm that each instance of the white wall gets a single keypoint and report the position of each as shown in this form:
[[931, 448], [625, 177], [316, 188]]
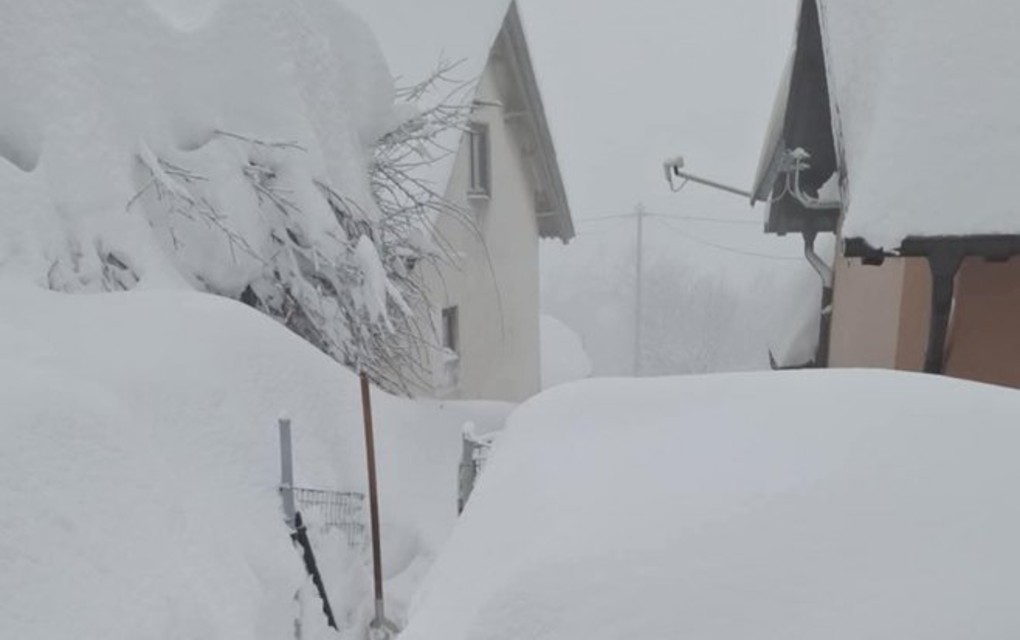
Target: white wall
[[495, 286]]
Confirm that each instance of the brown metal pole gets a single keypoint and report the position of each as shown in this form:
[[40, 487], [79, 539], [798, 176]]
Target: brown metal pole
[[373, 500]]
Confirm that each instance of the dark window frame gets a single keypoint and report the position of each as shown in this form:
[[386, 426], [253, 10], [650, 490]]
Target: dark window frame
[[479, 160], [450, 327]]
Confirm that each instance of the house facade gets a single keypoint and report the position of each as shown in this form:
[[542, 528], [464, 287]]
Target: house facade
[[503, 177], [898, 135], [882, 314]]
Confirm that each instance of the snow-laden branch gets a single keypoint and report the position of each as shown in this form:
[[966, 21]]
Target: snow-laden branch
[[343, 274]]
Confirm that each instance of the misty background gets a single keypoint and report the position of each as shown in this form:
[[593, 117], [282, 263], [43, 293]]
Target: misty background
[[718, 293]]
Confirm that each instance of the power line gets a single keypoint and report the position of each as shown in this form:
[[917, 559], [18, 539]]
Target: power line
[[663, 217], [706, 219], [674, 216], [618, 216], [638, 216], [722, 247]]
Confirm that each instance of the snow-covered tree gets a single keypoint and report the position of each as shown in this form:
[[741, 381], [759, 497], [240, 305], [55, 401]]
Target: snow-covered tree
[[339, 274]]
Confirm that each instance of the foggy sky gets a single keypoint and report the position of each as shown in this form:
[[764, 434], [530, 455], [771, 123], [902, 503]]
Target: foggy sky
[[628, 84]]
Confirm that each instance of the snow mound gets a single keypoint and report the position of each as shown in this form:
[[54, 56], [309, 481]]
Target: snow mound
[[139, 465], [836, 504], [563, 356], [175, 100]]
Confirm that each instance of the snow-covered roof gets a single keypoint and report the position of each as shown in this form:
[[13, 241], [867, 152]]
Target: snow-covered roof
[[927, 96], [417, 35], [924, 97]]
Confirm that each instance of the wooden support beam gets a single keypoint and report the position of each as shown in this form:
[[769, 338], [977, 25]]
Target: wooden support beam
[[944, 263]]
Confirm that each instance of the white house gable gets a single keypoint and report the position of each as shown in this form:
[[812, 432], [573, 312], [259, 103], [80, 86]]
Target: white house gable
[[505, 178]]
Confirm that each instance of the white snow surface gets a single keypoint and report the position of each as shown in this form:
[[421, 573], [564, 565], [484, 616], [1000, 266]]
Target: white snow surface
[[416, 36], [927, 95], [796, 505], [95, 92], [562, 352], [139, 466]]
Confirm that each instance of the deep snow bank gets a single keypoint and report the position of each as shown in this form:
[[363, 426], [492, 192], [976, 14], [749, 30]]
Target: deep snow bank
[[795, 505], [139, 465]]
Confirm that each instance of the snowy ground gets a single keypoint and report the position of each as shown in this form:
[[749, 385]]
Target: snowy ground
[[139, 468], [793, 505], [162, 146]]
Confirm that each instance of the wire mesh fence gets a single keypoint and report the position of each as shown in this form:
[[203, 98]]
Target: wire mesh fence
[[341, 511]]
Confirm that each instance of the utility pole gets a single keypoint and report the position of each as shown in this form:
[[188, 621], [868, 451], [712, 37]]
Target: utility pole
[[639, 213]]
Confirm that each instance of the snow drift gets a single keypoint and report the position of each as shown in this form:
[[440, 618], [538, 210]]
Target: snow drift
[[139, 466], [795, 505]]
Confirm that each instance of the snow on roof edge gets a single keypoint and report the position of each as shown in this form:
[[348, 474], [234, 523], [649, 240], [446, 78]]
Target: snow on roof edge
[[517, 33], [924, 117]]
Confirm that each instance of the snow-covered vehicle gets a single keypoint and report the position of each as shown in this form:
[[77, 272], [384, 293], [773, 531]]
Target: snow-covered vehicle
[[812, 504]]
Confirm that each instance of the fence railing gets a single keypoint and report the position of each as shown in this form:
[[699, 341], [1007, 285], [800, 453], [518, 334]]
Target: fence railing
[[474, 455], [340, 511]]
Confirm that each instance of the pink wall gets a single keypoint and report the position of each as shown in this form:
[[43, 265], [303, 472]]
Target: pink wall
[[984, 338], [881, 313], [866, 314]]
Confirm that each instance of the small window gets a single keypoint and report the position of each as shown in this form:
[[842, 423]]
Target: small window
[[480, 183], [451, 329]]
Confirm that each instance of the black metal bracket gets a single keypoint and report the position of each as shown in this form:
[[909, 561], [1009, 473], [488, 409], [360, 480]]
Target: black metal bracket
[[944, 263]]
